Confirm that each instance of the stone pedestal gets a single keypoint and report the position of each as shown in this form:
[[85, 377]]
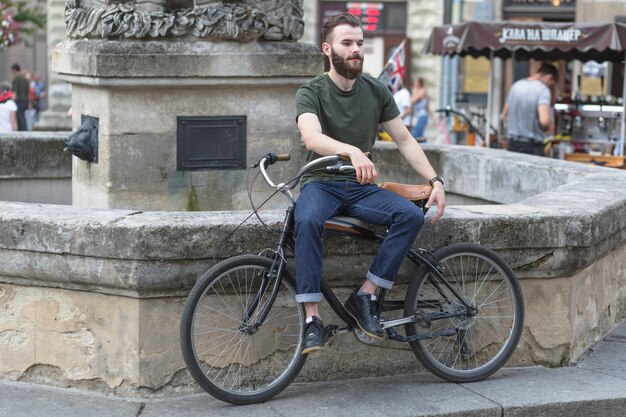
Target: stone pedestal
[[137, 89]]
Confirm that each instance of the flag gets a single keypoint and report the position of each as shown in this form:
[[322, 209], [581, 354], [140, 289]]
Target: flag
[[393, 72]]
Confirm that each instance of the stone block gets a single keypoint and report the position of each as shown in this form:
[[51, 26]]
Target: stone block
[[34, 155], [190, 60], [138, 88], [34, 168]]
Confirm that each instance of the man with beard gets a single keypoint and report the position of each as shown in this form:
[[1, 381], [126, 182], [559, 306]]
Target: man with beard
[[338, 114]]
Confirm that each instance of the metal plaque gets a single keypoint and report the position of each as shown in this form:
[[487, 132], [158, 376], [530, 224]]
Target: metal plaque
[[211, 142]]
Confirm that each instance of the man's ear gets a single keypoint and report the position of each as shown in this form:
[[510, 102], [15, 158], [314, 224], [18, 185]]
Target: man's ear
[[326, 49]]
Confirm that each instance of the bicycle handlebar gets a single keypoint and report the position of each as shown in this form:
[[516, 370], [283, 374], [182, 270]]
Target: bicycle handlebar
[[332, 163]]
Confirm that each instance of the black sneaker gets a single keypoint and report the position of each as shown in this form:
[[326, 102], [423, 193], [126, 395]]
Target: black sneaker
[[363, 311], [314, 337]]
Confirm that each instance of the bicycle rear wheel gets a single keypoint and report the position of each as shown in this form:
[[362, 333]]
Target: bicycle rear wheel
[[223, 352], [475, 346]]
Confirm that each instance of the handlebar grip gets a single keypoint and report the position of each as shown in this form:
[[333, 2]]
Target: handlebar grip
[[271, 159]]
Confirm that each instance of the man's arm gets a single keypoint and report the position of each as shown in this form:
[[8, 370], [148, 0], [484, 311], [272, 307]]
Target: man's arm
[[415, 156], [321, 144], [505, 111], [544, 116]]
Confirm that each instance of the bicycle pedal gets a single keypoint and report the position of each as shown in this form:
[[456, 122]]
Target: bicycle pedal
[[331, 329], [339, 330]]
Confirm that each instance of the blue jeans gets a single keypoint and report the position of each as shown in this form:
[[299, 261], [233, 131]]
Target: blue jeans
[[420, 126], [321, 200]]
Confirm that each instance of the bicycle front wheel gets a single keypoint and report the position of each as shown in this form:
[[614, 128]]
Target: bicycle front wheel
[[469, 347], [224, 353]]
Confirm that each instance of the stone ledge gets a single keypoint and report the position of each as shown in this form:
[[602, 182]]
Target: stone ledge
[[183, 59], [555, 233], [34, 155], [96, 294]]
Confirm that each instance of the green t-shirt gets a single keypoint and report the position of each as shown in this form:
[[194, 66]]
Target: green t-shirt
[[20, 87], [347, 116]]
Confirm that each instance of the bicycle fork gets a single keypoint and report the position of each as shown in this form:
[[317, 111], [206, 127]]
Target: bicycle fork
[[275, 273]]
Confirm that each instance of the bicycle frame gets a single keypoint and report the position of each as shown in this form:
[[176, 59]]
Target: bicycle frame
[[345, 228], [418, 257]]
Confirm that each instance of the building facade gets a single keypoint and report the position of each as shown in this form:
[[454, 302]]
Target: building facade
[[386, 23], [464, 81]]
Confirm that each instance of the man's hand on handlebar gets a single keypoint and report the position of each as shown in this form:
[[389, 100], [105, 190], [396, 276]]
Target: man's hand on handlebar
[[363, 167]]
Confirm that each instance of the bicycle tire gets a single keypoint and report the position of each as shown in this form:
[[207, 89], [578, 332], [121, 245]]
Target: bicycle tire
[[229, 363], [481, 344]]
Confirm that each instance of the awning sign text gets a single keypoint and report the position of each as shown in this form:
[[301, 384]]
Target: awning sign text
[[539, 35]]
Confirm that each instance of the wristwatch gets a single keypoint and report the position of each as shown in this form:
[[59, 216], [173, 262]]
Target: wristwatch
[[433, 180]]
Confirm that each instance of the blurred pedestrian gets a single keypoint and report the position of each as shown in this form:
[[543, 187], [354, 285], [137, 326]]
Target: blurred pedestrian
[[31, 112], [39, 92], [20, 88], [402, 97], [528, 111], [8, 110], [421, 112]]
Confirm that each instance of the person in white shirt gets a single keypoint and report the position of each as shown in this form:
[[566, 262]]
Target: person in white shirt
[[402, 98], [8, 110]]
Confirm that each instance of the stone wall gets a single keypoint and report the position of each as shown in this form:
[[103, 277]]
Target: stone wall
[[138, 90], [34, 168], [92, 297]]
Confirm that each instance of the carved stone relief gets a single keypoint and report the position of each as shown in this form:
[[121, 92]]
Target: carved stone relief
[[243, 21]]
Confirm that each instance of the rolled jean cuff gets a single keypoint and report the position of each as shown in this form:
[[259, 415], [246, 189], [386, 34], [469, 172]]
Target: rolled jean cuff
[[381, 282], [315, 297]]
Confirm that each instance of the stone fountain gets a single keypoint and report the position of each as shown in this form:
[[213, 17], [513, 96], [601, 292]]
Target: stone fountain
[[185, 95]]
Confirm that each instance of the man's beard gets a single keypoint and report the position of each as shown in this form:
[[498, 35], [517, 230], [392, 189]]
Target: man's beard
[[345, 68]]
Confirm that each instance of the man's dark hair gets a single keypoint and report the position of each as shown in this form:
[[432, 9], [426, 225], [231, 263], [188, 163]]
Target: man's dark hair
[[16, 67], [549, 69], [336, 20]]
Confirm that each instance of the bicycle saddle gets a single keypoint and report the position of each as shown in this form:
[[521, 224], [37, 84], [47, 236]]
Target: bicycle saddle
[[417, 194], [414, 193]]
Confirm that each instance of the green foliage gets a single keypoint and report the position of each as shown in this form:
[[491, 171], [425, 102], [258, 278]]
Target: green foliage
[[28, 15]]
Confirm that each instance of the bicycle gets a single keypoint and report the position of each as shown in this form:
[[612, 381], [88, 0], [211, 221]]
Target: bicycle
[[241, 329], [473, 128]]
